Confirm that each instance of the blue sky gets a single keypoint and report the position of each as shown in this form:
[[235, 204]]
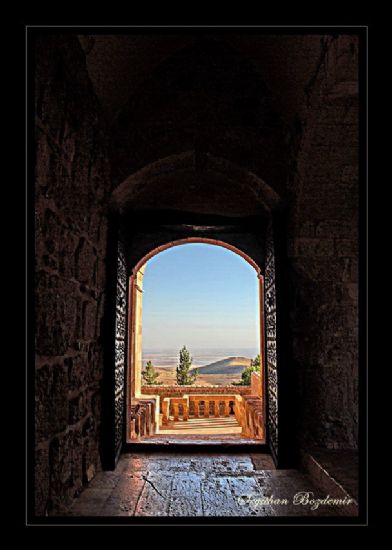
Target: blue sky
[[200, 295]]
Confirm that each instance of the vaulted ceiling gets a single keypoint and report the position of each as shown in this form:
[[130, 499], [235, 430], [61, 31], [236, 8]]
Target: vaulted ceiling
[[223, 100], [119, 64]]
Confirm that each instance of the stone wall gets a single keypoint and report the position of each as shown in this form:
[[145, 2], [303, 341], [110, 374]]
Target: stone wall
[[323, 249], [70, 239]]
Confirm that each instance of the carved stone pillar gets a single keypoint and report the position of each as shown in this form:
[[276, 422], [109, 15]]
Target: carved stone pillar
[[137, 308]]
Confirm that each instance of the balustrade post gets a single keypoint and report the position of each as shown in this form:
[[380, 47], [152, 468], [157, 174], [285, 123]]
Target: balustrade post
[[165, 410], [196, 403]]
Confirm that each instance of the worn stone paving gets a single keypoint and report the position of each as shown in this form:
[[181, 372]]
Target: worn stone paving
[[191, 485]]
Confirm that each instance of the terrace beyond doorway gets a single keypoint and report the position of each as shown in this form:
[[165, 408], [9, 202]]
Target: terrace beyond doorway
[[222, 405]]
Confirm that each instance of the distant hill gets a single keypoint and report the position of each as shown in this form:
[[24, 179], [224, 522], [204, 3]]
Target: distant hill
[[220, 373], [230, 365]]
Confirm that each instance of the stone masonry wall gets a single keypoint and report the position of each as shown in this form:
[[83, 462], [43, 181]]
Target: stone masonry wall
[[70, 238], [323, 249]]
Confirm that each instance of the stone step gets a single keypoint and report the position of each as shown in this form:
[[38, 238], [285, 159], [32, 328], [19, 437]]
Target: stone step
[[203, 426]]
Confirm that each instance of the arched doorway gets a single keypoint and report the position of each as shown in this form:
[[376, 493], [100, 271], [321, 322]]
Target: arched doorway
[[252, 228], [202, 180], [149, 407], [273, 338]]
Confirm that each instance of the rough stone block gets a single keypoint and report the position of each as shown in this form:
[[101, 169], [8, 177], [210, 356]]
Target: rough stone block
[[314, 247], [41, 481], [55, 308], [66, 462], [89, 319], [77, 367], [51, 384], [346, 247], [85, 259], [77, 408]]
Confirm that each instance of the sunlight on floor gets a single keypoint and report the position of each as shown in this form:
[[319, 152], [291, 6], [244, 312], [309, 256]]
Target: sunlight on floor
[[200, 426]]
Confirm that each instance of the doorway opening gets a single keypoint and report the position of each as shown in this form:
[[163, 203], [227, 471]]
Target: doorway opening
[[196, 360]]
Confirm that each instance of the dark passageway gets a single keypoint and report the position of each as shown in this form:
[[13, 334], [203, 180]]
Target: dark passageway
[[147, 139]]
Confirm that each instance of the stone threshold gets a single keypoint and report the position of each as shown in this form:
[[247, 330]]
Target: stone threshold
[[177, 444], [196, 441]]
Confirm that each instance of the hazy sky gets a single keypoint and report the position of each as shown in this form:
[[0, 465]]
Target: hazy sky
[[200, 295]]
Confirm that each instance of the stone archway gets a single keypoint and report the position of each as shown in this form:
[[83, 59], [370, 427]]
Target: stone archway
[[134, 354], [192, 196], [239, 218]]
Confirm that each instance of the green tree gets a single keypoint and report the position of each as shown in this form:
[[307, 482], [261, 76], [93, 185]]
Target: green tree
[[183, 374], [150, 375], [247, 372]]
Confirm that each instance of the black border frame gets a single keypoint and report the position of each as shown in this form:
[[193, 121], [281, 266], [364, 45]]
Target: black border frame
[[30, 29]]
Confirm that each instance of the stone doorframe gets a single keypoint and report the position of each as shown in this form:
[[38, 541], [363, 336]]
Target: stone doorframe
[[135, 293]]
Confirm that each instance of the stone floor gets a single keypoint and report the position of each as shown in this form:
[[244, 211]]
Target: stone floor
[[199, 484]]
